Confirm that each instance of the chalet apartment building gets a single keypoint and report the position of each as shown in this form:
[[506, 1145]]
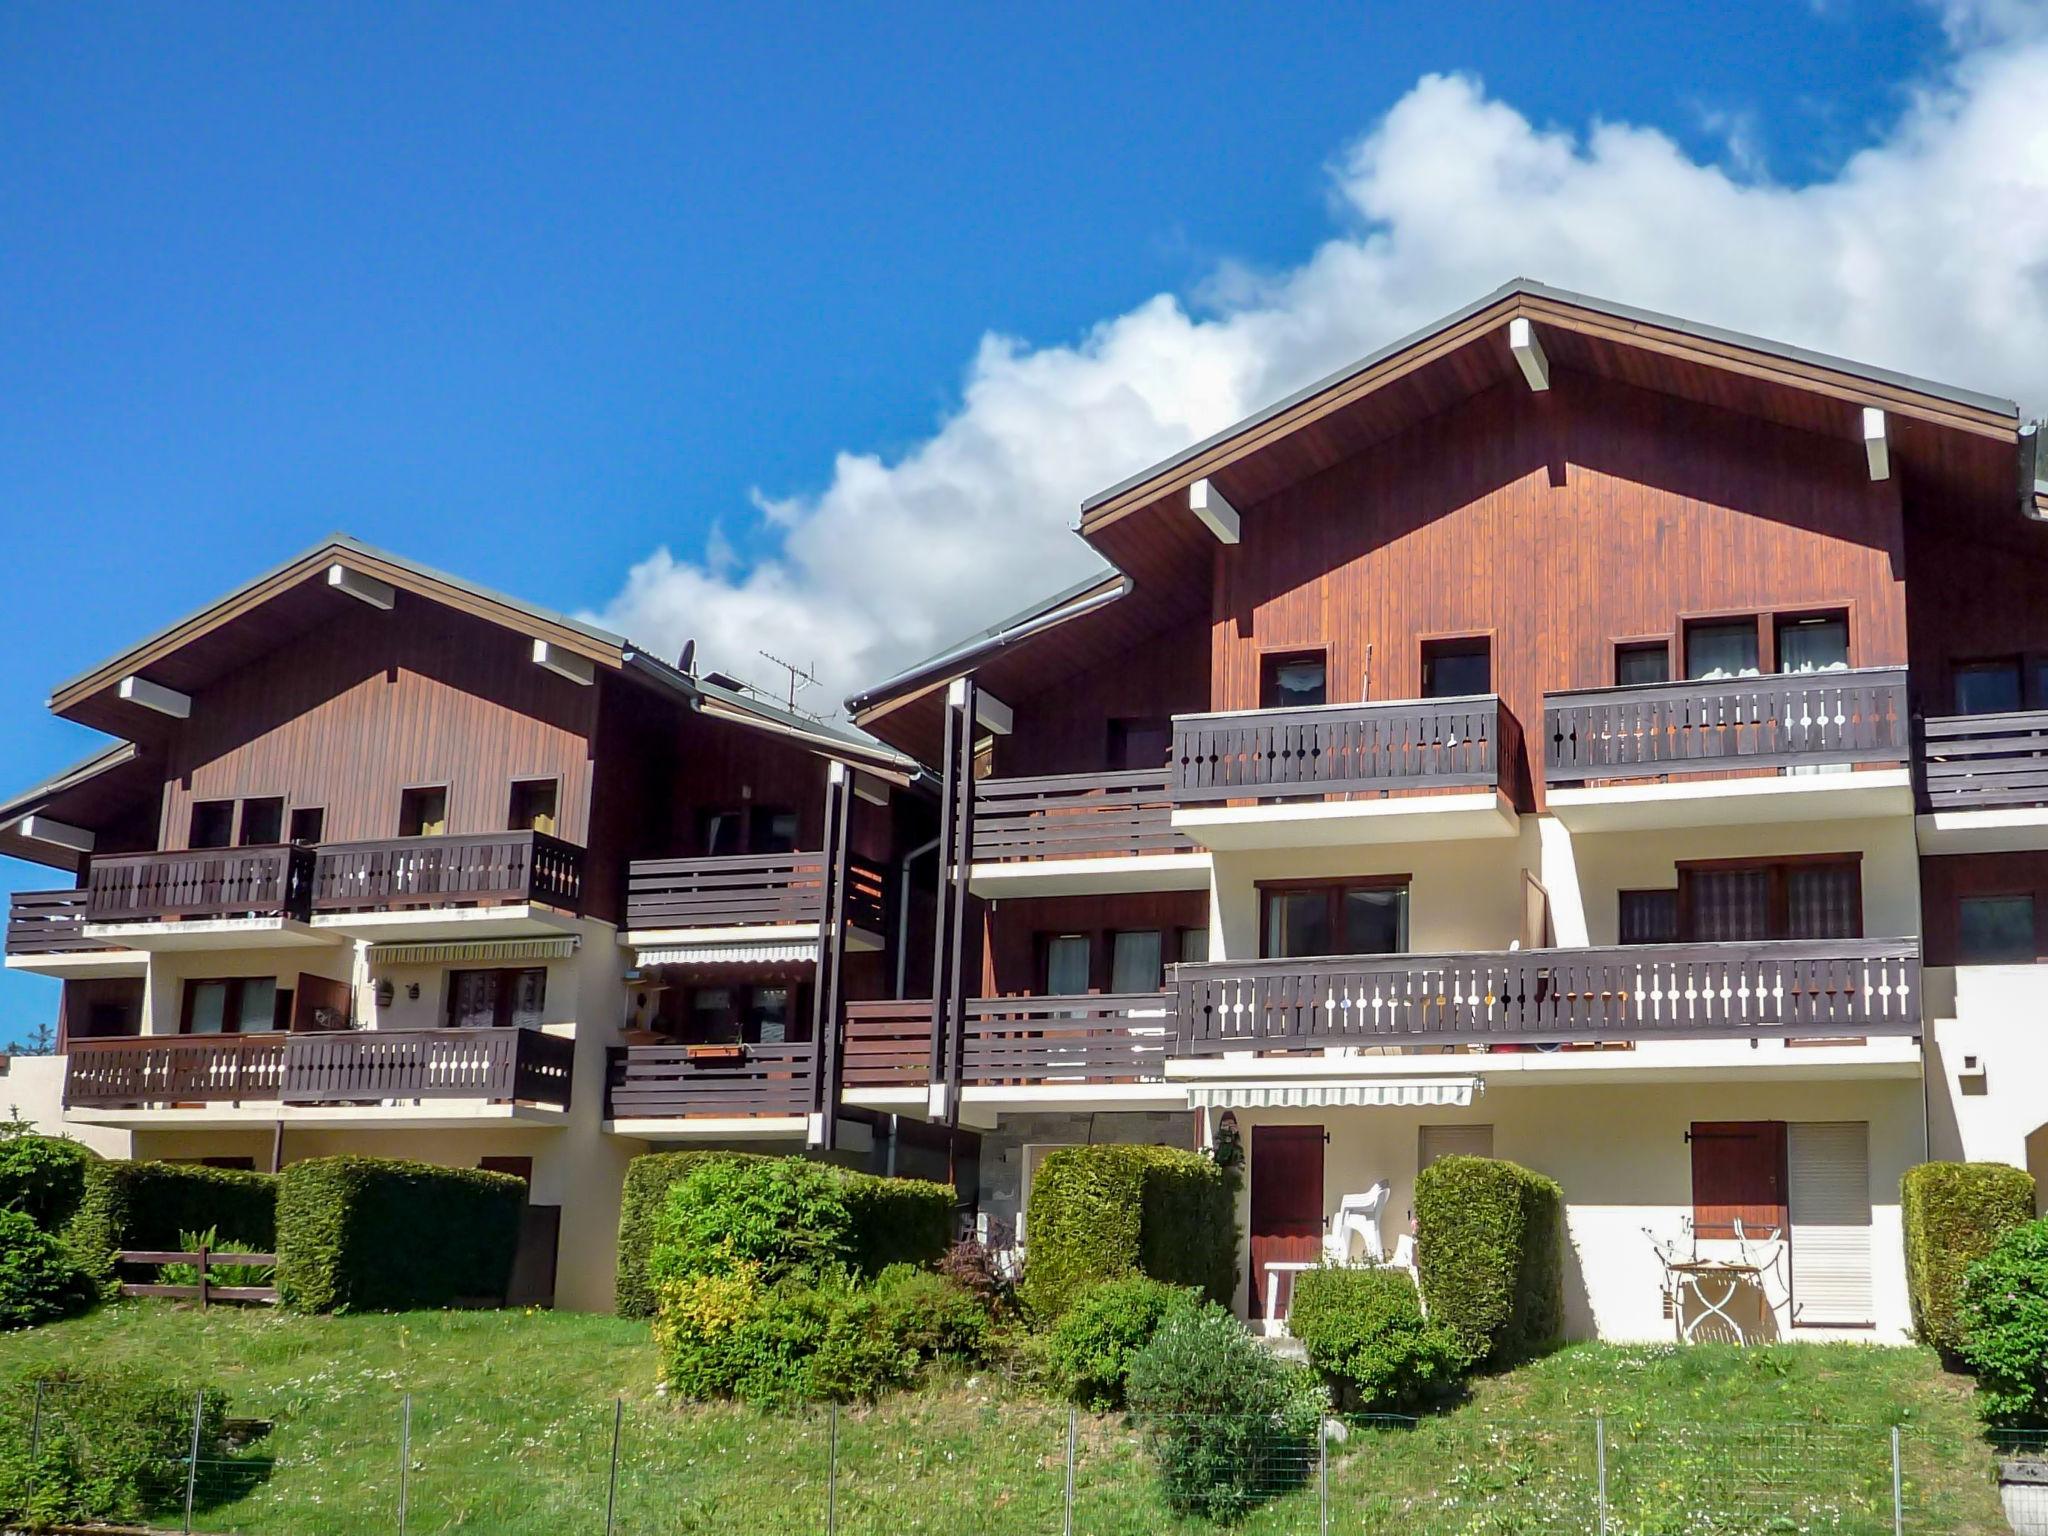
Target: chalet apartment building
[[1571, 733]]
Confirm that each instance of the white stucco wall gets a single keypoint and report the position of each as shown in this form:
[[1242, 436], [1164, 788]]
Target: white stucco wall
[[32, 1089], [1998, 1112]]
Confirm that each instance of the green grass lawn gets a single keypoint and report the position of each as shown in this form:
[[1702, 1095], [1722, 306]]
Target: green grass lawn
[[511, 1432]]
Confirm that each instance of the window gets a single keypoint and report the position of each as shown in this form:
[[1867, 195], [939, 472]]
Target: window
[[1649, 917], [237, 1005], [1995, 930], [752, 1015], [754, 829], [1642, 661], [1721, 649], [423, 812], [498, 999], [772, 831], [712, 1019], [1136, 961], [1988, 687], [1293, 682], [533, 806], [721, 833], [1815, 644], [213, 824], [1435, 1141], [1194, 945], [1337, 918], [1455, 668], [1725, 901], [1139, 743], [309, 824], [1066, 965], [262, 822]]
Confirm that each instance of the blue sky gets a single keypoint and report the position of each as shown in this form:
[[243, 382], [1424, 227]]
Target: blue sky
[[534, 292]]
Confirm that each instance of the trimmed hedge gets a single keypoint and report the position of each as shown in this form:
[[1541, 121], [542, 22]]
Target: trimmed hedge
[[1490, 1249], [1362, 1327], [382, 1234], [1954, 1213], [1103, 1212], [893, 1221], [43, 1177], [149, 1205], [648, 1178]]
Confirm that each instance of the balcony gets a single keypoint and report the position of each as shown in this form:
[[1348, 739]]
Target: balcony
[[1984, 782], [769, 906], [1073, 834], [323, 1075], [1728, 751], [1346, 773], [746, 1089], [1015, 1043], [46, 935], [479, 885], [202, 898]]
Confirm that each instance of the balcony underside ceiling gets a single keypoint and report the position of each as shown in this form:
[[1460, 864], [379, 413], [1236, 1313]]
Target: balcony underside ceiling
[[214, 933], [448, 924], [1822, 795]]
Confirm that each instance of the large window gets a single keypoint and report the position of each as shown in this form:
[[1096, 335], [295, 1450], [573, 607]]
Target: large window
[[1723, 648], [1294, 681], [1649, 917], [1990, 687], [213, 824], [1996, 930], [1144, 742], [1137, 961], [1728, 900], [533, 806], [1642, 661], [423, 811], [763, 1014], [1456, 668], [262, 822], [497, 999], [1368, 917], [1815, 643], [747, 829], [1067, 964], [235, 1005]]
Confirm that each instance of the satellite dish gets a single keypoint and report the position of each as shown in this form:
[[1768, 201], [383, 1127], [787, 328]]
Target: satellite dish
[[689, 656]]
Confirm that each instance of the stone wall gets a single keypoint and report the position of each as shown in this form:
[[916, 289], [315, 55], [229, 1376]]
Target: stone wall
[[1002, 1150]]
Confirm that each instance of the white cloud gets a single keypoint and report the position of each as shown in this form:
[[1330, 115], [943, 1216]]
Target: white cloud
[[1927, 253]]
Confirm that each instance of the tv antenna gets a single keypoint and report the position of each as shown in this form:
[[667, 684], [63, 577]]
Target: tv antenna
[[800, 678]]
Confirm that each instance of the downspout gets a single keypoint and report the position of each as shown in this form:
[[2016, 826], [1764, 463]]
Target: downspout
[[903, 911]]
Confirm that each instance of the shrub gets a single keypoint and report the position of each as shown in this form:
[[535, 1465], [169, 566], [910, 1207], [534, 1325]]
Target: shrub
[[1953, 1214], [216, 1274], [43, 1177], [1490, 1238], [110, 1446], [1104, 1212], [382, 1234], [803, 1338], [1229, 1422], [1090, 1349], [648, 1178], [860, 1355], [1363, 1328], [39, 1279], [695, 1328], [979, 1269], [896, 1221], [935, 1317], [2004, 1318], [149, 1205]]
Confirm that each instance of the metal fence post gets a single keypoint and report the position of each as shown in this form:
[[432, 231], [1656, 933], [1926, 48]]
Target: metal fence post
[[1898, 1489], [35, 1428], [1600, 1465], [404, 1457], [1323, 1475], [832, 1473], [192, 1461], [611, 1493], [1073, 1426]]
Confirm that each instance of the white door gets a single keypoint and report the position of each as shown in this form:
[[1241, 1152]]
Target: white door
[[1829, 1163]]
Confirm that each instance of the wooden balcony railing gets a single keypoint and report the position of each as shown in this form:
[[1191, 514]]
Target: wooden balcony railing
[[668, 1081], [48, 923], [1069, 815], [1813, 988], [1119, 1038], [345, 1067], [742, 890], [449, 871], [1985, 762], [1786, 721], [1340, 749], [208, 882]]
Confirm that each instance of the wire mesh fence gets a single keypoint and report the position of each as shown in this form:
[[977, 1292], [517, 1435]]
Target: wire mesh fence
[[332, 1455]]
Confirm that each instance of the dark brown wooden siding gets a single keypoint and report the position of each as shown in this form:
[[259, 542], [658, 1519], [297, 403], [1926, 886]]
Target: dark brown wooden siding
[[1064, 728], [1946, 880], [1015, 950]]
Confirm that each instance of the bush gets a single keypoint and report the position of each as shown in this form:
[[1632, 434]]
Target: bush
[[1229, 1422], [696, 1328], [936, 1317], [2004, 1319], [1363, 1328], [111, 1446], [860, 1355], [641, 1203], [1090, 1349], [149, 1205], [1101, 1213], [39, 1279], [1953, 1214], [1489, 1241], [896, 1221], [977, 1268], [381, 1234], [43, 1177], [229, 1275]]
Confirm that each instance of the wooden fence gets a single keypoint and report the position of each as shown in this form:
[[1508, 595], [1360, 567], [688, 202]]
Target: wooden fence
[[1985, 762], [205, 1261], [1339, 748]]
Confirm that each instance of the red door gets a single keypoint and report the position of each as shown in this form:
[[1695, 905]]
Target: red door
[[1738, 1170], [1287, 1204]]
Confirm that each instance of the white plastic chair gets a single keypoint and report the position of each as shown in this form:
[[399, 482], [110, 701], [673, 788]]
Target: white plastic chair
[[1358, 1220]]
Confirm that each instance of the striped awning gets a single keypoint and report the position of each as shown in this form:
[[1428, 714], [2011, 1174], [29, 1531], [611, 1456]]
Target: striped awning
[[1392, 1092], [757, 952], [481, 951]]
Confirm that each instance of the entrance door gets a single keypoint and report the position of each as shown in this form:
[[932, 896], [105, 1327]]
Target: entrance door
[[1738, 1172], [1287, 1204]]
